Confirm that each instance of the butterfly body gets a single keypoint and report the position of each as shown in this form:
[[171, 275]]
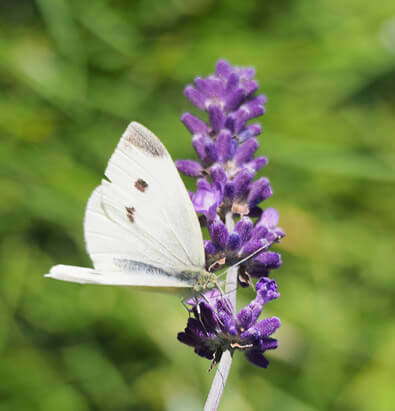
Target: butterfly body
[[140, 226]]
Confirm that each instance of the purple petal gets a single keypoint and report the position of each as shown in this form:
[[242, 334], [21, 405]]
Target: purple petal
[[188, 339], [223, 69], [234, 99], [210, 86], [244, 318], [195, 97], [253, 109], [189, 167], [195, 328], [258, 271], [240, 119], [251, 334], [257, 358], [233, 241], [216, 116], [229, 190], [211, 151], [230, 123], [235, 145], [246, 151], [261, 99], [219, 233], [260, 190], [242, 182], [268, 343], [227, 321], [279, 233], [218, 174], [259, 232], [252, 130], [205, 148], [206, 196], [255, 129], [267, 290], [247, 72], [249, 86], [203, 86], [270, 217], [252, 246], [244, 228], [257, 163], [203, 184], [211, 248], [271, 236], [268, 326], [247, 316], [224, 145], [212, 212], [198, 142], [232, 83], [269, 259], [194, 124]]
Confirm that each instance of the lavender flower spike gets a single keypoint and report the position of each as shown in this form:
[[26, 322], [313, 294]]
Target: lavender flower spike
[[228, 201], [213, 329]]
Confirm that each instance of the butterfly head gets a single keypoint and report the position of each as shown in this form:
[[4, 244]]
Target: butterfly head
[[206, 281]]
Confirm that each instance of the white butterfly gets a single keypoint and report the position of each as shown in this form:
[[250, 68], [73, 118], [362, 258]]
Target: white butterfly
[[140, 225]]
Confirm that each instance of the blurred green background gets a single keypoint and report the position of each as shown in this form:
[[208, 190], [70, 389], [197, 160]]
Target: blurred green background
[[73, 74]]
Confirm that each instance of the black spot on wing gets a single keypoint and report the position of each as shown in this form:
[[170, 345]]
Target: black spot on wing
[[141, 185], [142, 138], [130, 213]]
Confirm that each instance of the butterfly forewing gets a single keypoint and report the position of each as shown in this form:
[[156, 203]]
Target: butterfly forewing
[[140, 226]]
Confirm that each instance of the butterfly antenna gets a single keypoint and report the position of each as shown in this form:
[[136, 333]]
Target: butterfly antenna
[[185, 305], [199, 313], [253, 254]]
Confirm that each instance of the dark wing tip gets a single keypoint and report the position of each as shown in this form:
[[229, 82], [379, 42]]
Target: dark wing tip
[[142, 138]]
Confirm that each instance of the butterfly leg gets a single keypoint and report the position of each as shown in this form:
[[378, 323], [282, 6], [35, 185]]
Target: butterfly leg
[[199, 313], [183, 302], [226, 301]]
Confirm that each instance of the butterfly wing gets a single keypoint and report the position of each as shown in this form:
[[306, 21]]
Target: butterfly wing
[[142, 217], [141, 276]]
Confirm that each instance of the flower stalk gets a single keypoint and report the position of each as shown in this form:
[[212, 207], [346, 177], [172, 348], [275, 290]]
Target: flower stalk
[[222, 373]]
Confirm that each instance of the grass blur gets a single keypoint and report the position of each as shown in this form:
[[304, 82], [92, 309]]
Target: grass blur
[[73, 74]]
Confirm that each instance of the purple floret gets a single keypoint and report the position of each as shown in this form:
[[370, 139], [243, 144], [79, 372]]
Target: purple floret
[[213, 329]]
